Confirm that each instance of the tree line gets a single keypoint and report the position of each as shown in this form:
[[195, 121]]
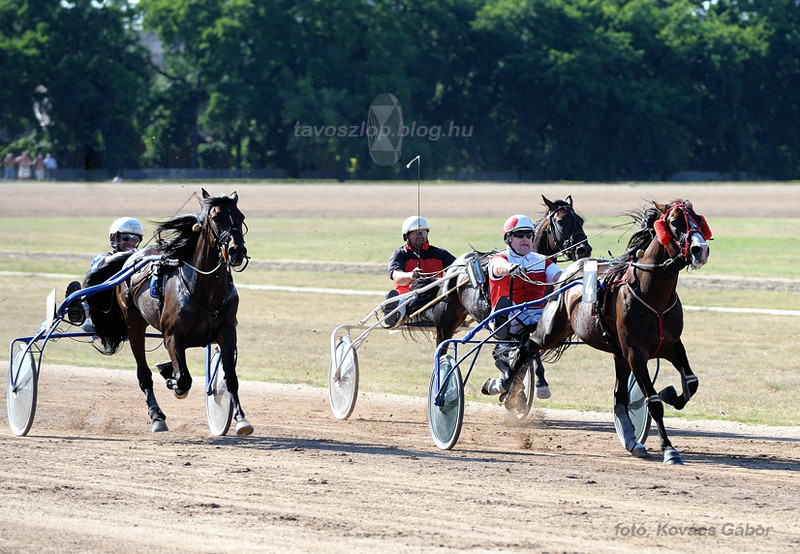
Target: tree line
[[547, 89]]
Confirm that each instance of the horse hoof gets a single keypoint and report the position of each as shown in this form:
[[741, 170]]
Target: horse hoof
[[159, 426], [639, 450], [543, 393], [672, 457], [243, 428], [180, 394]]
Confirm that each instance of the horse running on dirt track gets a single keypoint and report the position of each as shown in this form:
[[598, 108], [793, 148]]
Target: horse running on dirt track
[[189, 296], [558, 233], [638, 315]]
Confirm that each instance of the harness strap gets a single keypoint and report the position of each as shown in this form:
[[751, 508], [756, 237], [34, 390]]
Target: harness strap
[[660, 316]]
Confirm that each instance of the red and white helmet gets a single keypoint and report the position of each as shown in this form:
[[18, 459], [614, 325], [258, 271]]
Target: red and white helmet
[[517, 222], [124, 225], [414, 223]]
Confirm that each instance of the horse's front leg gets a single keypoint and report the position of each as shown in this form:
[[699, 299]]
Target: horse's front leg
[[181, 381], [638, 363], [227, 350], [689, 381], [136, 337]]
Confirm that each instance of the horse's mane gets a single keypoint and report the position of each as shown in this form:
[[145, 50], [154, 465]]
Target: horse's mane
[[640, 240], [177, 238]]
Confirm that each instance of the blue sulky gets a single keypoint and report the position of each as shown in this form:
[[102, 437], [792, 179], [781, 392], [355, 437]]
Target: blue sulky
[[26, 355], [446, 395]]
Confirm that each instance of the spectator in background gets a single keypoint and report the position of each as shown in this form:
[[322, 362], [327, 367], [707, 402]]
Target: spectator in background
[[38, 167], [8, 163], [23, 166], [50, 166]]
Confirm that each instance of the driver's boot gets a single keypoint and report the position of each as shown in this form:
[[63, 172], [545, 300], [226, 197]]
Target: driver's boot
[[502, 354]]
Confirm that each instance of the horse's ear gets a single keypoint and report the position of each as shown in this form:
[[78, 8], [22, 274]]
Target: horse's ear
[[569, 200], [548, 203], [660, 207], [235, 197], [205, 193]]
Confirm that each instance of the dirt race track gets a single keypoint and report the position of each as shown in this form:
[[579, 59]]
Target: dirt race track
[[90, 477]]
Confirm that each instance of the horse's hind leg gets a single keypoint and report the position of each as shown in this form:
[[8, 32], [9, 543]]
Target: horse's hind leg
[[145, 376], [689, 381], [621, 418], [541, 387]]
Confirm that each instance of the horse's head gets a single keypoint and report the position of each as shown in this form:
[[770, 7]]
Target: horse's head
[[564, 228], [226, 223], [680, 228]]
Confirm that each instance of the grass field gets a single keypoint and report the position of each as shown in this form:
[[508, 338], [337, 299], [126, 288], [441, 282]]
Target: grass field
[[746, 363]]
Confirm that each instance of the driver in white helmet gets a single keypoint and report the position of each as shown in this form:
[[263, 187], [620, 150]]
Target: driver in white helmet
[[124, 235], [415, 263], [516, 275]]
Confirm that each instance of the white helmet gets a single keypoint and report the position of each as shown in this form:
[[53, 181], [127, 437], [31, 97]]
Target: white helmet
[[414, 223], [124, 225], [517, 222]]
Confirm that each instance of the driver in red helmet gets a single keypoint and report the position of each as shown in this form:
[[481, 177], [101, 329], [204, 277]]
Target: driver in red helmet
[[414, 264], [516, 275]]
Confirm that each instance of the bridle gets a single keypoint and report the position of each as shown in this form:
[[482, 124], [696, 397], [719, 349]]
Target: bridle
[[679, 248], [561, 241], [221, 239]]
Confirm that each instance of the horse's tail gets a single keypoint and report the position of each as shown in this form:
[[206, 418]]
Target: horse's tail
[[107, 317], [552, 355]]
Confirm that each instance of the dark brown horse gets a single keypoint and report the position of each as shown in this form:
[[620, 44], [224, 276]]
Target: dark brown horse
[[638, 315], [188, 294], [559, 234]]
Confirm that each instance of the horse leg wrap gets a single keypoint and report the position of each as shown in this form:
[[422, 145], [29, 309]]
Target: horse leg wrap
[[670, 396], [626, 426], [656, 407], [165, 369], [156, 414], [539, 372], [153, 410], [690, 384]]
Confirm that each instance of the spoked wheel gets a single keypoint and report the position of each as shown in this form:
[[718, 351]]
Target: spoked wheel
[[519, 400], [21, 396], [343, 379], [445, 420], [219, 404], [637, 410]]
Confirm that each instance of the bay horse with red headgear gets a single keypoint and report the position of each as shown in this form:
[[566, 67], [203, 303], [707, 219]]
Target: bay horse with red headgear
[[638, 315], [559, 233], [196, 305]]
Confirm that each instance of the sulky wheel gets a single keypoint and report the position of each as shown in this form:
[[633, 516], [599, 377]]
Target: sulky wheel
[[343, 378], [519, 400], [23, 379], [445, 419], [219, 404]]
